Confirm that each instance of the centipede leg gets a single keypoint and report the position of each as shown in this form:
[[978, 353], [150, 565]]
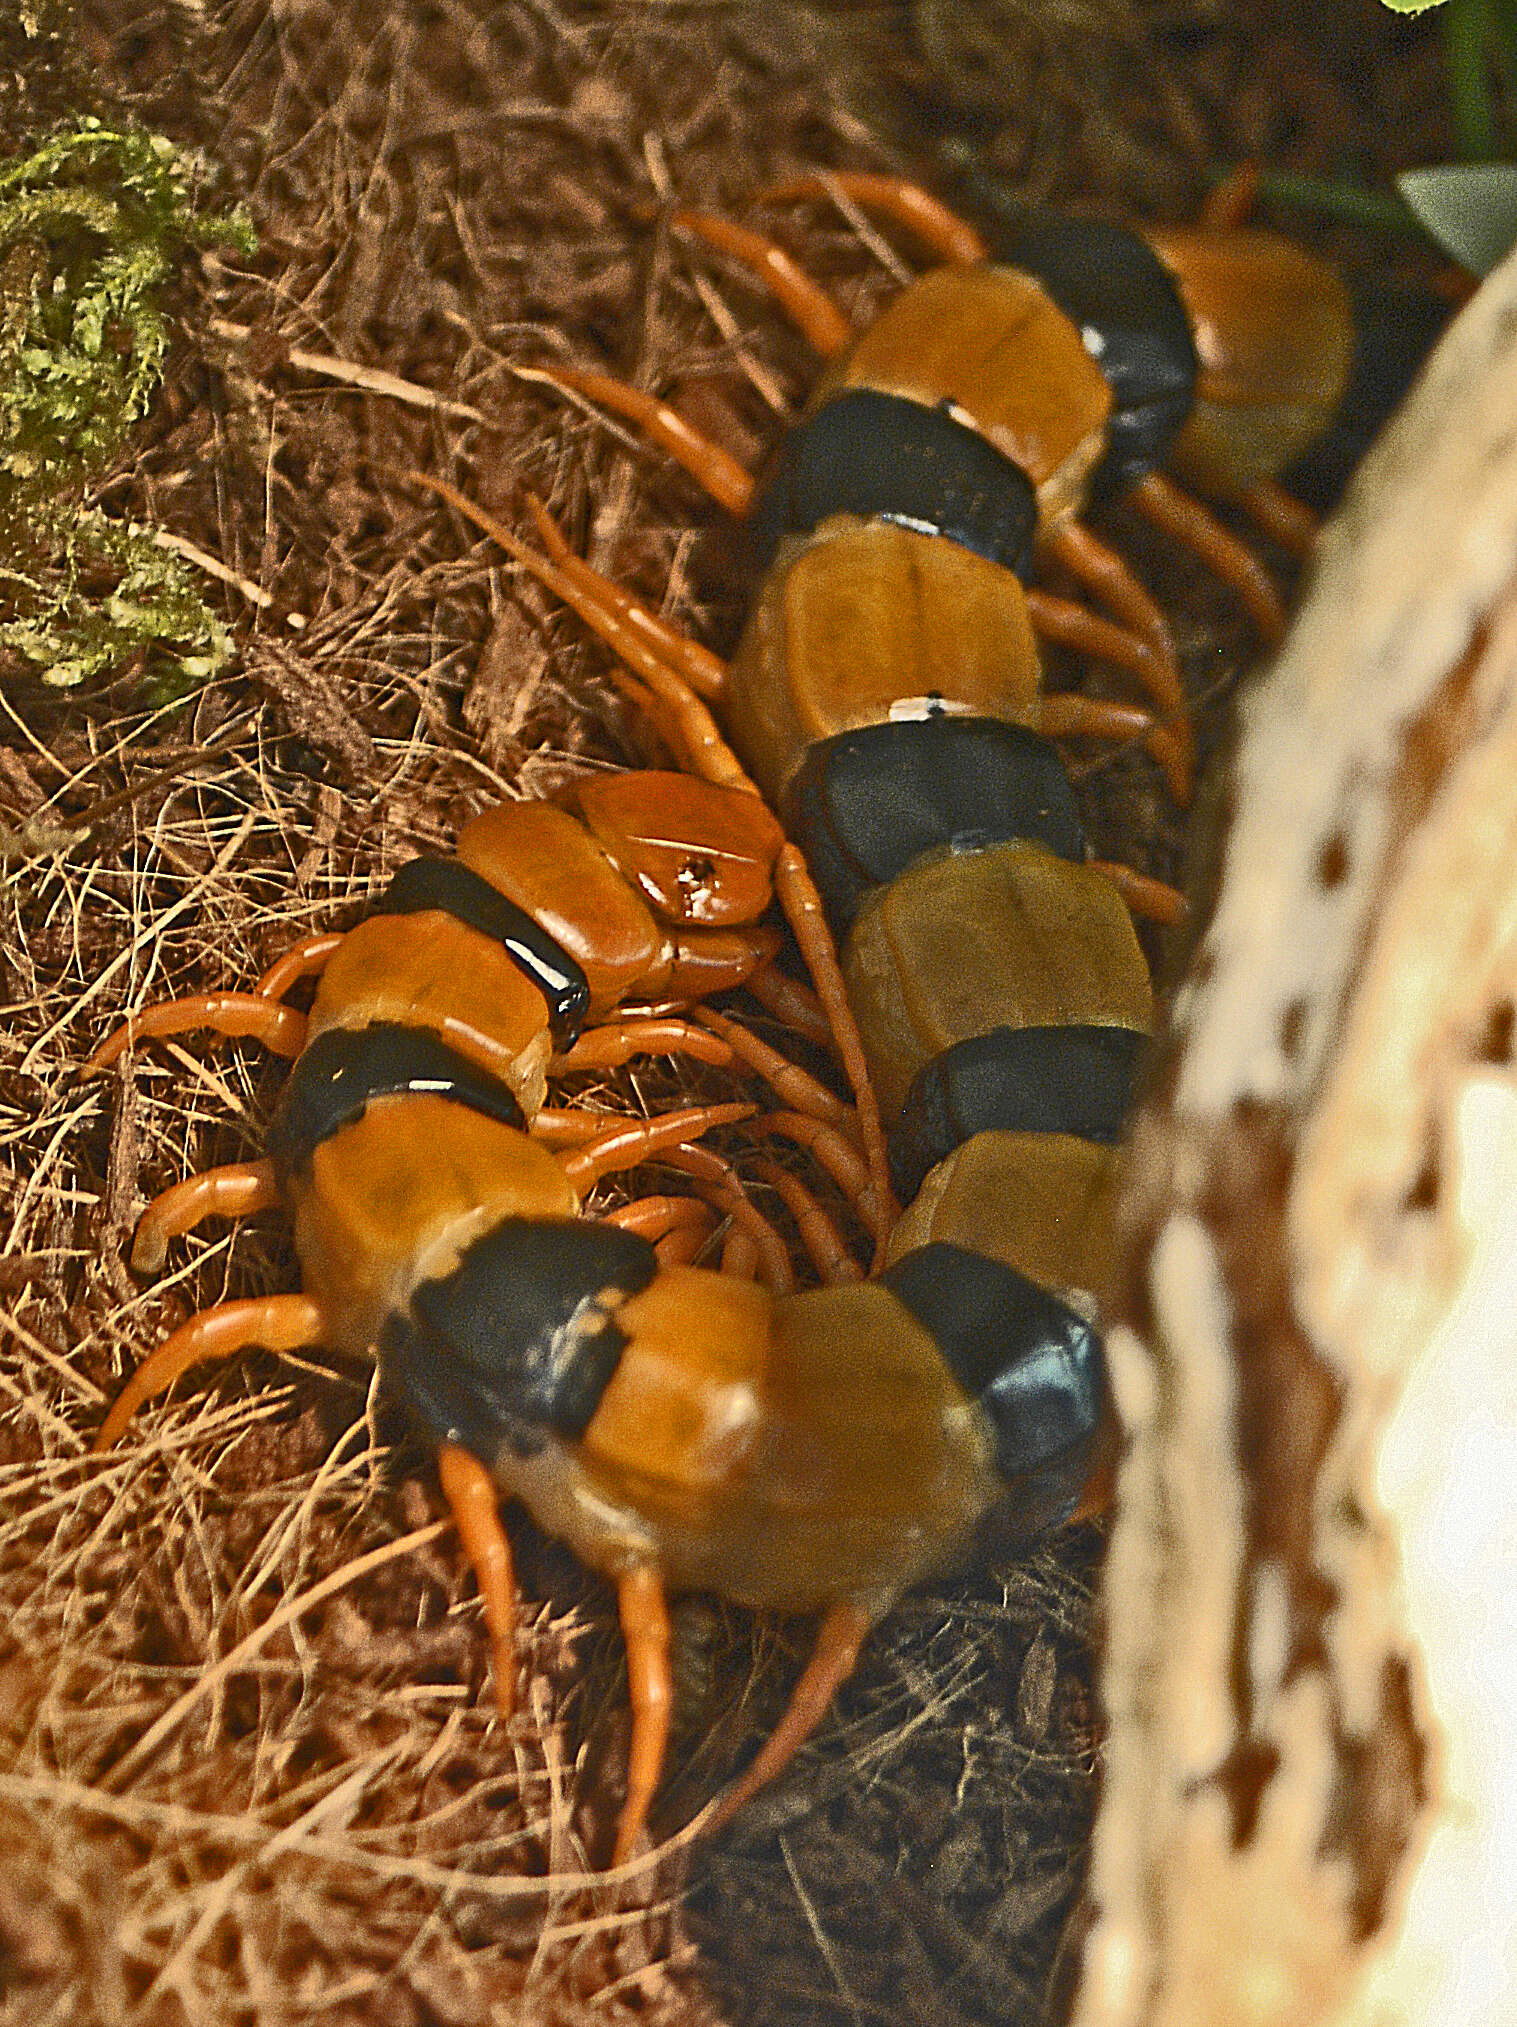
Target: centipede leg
[[280, 1028], [1280, 515], [474, 1499], [1103, 572], [306, 959], [795, 1005], [833, 1152], [819, 1235], [1155, 900], [619, 1042], [273, 1322], [808, 306], [705, 672], [631, 1141], [715, 470], [833, 1659], [236, 1191], [678, 1228], [933, 224], [645, 1629], [723, 1187], [1062, 715], [1187, 521]]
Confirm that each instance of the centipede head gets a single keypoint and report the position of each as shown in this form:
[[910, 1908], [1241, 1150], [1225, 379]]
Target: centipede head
[[697, 853]]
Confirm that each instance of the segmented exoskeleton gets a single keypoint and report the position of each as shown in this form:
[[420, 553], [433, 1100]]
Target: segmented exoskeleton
[[677, 1425]]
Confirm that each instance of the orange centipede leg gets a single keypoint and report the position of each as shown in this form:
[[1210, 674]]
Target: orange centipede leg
[[833, 1658], [306, 959], [715, 470], [655, 1217], [280, 1028], [740, 1254], [938, 228], [819, 1234], [1280, 515], [1232, 200], [792, 1085], [1102, 571], [1063, 715], [1185, 520], [633, 1140], [723, 1187], [1155, 900], [474, 1499], [705, 672], [645, 1629], [795, 1005], [837, 1155], [805, 302], [232, 1192], [619, 1042], [274, 1322]]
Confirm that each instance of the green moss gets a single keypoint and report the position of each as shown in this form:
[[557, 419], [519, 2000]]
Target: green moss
[[92, 225]]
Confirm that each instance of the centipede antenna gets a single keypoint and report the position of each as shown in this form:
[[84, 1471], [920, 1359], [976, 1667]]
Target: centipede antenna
[[705, 672]]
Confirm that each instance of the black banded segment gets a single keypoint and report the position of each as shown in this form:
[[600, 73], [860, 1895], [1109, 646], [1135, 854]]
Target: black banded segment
[[521, 1339], [1123, 300], [884, 457], [457, 890], [1395, 327], [335, 1078], [1035, 1365], [865, 805], [1075, 1080]]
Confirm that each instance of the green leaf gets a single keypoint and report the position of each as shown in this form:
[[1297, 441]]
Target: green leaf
[[1469, 208]]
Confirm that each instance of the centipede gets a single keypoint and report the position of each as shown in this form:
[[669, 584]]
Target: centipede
[[878, 757]]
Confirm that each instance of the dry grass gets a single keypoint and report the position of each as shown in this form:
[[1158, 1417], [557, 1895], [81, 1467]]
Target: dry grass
[[248, 1774]]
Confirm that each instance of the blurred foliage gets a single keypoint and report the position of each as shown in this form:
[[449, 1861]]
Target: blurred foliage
[[92, 225]]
